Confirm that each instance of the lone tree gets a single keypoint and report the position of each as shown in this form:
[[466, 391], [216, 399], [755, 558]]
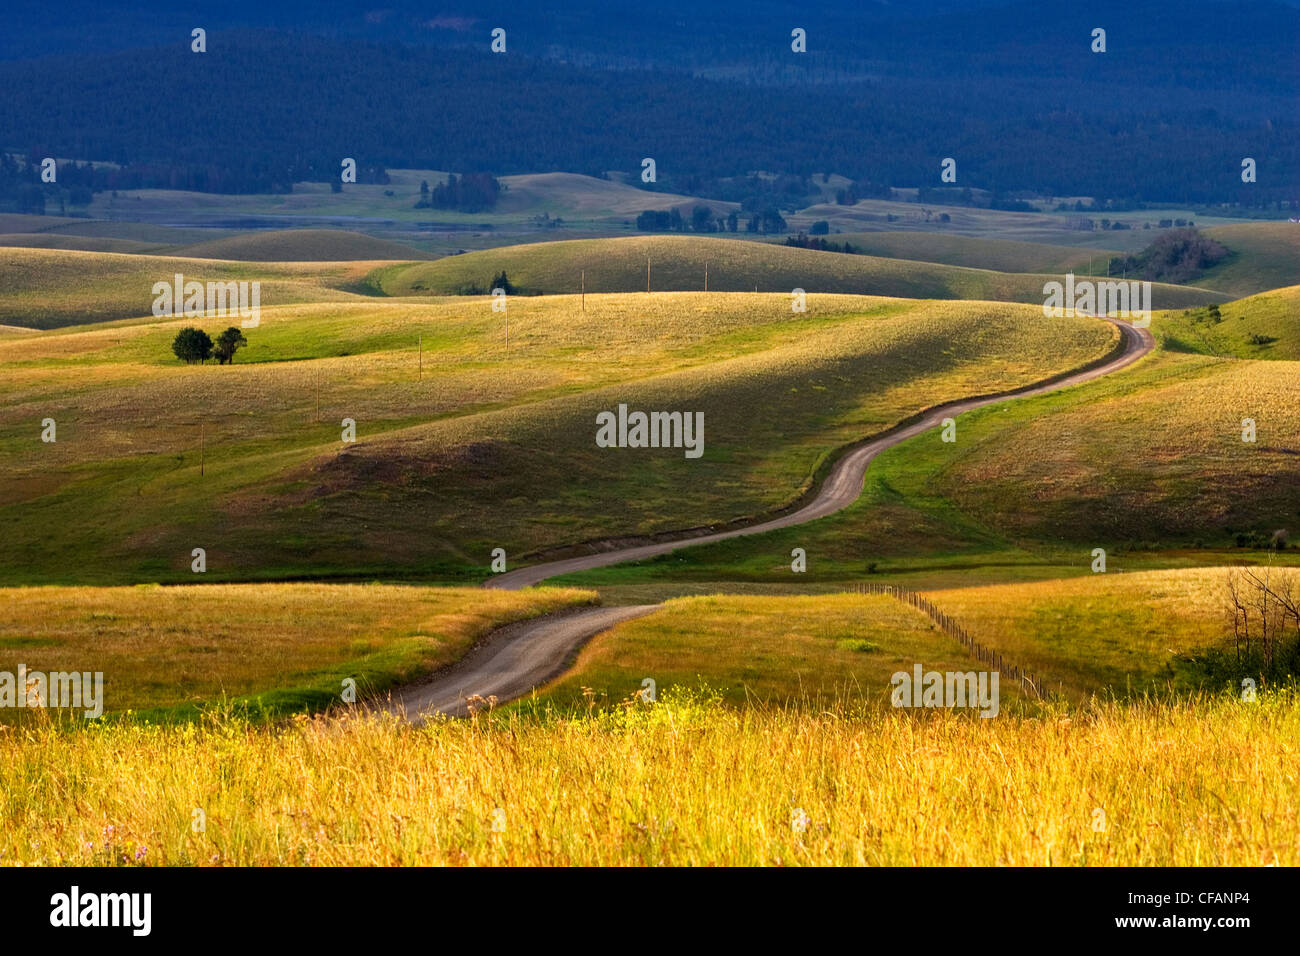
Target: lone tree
[[228, 342], [192, 345]]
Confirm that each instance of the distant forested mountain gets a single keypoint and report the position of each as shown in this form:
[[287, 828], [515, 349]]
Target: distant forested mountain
[[1184, 93]]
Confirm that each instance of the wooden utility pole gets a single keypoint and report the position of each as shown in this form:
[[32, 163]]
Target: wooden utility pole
[[584, 290], [706, 277]]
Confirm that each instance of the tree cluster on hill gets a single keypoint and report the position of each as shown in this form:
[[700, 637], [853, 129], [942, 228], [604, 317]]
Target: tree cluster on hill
[[768, 221], [661, 220], [21, 188], [1264, 608], [755, 193], [1178, 255], [472, 192], [194, 345], [23, 191], [856, 191], [803, 241], [672, 220]]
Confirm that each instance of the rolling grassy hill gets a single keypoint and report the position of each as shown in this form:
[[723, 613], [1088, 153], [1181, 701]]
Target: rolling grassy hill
[[47, 288], [1265, 255], [490, 447], [1151, 458], [57, 240], [971, 252], [1160, 460], [300, 245], [1264, 326], [677, 263], [1052, 228], [573, 197]]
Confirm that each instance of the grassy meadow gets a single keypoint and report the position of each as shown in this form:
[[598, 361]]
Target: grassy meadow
[[1199, 782], [1263, 255], [300, 245], [274, 648], [975, 252], [772, 741], [764, 651], [1114, 634], [1263, 326], [56, 288], [489, 446], [578, 199], [1106, 633]]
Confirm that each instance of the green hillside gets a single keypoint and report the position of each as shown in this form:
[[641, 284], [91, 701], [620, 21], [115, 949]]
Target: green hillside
[[1148, 463], [48, 288], [58, 240], [677, 263], [1002, 255], [1265, 255], [1264, 326], [300, 245], [490, 446]]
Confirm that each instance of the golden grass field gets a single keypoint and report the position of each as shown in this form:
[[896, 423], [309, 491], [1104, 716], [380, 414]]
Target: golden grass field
[[767, 651], [1189, 782], [53, 288], [1120, 634], [292, 644], [1105, 633]]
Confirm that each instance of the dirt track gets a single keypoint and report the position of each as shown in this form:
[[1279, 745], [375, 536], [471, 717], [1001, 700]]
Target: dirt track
[[522, 656], [842, 485], [511, 662]]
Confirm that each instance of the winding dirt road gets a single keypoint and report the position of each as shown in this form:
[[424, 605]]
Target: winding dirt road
[[511, 662], [517, 658], [842, 486]]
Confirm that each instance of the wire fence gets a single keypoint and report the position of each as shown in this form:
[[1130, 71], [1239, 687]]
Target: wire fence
[[1028, 681]]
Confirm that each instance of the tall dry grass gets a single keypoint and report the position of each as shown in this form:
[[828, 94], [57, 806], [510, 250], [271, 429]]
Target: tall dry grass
[[683, 781]]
